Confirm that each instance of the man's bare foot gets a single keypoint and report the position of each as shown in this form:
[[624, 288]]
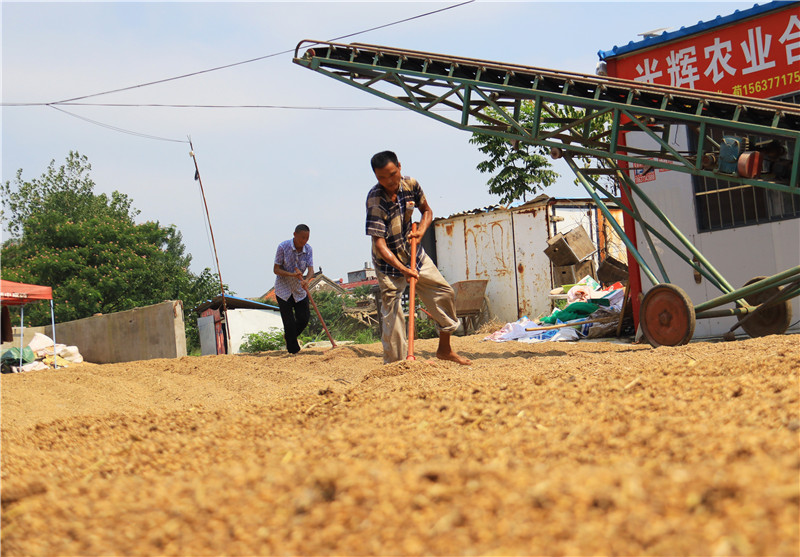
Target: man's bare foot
[[453, 357], [445, 351]]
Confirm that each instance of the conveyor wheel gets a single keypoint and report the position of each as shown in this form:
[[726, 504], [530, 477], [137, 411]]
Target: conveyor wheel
[[667, 316], [772, 320]]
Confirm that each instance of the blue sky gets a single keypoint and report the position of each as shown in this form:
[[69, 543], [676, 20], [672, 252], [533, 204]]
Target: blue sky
[[265, 170]]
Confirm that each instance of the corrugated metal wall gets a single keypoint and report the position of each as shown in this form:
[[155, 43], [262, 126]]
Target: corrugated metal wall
[[506, 246], [480, 247]]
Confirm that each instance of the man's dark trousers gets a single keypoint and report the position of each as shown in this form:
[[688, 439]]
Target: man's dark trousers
[[295, 316]]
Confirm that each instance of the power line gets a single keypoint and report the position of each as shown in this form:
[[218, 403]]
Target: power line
[[258, 58], [118, 129], [246, 106], [167, 105], [402, 21], [71, 102]]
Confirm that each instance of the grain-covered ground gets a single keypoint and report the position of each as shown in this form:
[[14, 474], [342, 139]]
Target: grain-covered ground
[[588, 448]]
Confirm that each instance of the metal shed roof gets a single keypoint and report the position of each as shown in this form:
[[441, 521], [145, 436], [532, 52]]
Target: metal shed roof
[[232, 302], [701, 26], [539, 200]]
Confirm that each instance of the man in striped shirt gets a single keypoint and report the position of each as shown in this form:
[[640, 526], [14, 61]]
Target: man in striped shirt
[[390, 204], [293, 258]]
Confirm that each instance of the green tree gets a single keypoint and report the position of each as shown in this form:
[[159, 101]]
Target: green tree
[[518, 169], [521, 169], [342, 327], [68, 188], [362, 292], [271, 339], [90, 250]]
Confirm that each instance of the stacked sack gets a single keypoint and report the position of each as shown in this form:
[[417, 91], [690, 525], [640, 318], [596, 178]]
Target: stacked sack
[[40, 354]]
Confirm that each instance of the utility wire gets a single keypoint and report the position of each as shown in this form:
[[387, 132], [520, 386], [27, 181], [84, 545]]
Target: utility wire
[[118, 129], [71, 102], [248, 106], [168, 105], [257, 59]]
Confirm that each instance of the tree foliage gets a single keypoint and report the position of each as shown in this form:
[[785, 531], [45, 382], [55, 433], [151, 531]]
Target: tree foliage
[[263, 341], [362, 292], [521, 169], [330, 305], [89, 249], [343, 327], [518, 169], [68, 188]]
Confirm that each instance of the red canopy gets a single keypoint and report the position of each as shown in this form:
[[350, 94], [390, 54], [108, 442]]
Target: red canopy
[[18, 294]]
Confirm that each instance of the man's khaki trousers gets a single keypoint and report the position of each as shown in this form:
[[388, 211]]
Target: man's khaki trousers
[[434, 291]]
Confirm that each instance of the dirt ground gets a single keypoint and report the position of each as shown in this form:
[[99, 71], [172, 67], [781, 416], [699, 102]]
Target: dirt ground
[[588, 448]]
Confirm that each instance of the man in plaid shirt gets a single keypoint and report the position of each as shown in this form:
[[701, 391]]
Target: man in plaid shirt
[[390, 204]]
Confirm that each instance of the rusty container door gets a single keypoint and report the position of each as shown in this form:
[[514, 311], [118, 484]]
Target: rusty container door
[[481, 246], [532, 267]]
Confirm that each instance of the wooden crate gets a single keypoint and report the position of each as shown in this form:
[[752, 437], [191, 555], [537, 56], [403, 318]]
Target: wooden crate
[[570, 248], [571, 274]]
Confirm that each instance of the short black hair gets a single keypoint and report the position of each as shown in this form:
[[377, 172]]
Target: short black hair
[[379, 160], [301, 228]]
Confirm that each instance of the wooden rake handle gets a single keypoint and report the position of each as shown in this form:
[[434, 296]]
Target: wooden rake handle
[[412, 293], [319, 315]]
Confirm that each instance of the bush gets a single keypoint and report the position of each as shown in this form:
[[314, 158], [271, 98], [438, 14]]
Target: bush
[[263, 341], [367, 336], [425, 327], [341, 326]]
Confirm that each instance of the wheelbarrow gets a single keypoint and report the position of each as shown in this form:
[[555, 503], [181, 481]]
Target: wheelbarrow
[[469, 302]]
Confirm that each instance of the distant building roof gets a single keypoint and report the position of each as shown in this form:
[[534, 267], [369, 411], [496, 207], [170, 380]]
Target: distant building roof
[[232, 302], [699, 27], [269, 296], [356, 284]]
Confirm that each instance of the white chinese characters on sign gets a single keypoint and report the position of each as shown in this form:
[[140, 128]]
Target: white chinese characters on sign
[[792, 33], [756, 51], [648, 73], [681, 67], [719, 58]]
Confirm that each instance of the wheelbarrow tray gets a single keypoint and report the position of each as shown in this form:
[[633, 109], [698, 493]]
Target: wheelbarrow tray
[[469, 296]]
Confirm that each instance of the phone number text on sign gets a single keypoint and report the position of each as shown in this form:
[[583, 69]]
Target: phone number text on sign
[[768, 84]]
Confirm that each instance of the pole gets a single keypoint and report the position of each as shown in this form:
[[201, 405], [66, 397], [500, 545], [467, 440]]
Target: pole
[[213, 243], [319, 315], [53, 322], [21, 331], [412, 293]]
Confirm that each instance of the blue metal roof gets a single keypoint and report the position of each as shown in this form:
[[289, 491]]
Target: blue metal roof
[[232, 302], [698, 28]]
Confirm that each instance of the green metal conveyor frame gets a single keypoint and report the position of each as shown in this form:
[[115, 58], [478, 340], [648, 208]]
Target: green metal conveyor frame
[[457, 91]]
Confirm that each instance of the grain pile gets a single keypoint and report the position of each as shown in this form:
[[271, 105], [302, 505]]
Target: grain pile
[[569, 449]]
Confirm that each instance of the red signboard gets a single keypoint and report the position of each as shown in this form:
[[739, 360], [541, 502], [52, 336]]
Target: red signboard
[[757, 57]]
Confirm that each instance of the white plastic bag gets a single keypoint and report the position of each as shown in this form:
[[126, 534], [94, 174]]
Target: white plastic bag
[[71, 354], [40, 342], [579, 293]]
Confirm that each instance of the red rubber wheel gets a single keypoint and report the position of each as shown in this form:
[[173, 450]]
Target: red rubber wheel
[[773, 320], [667, 316]]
